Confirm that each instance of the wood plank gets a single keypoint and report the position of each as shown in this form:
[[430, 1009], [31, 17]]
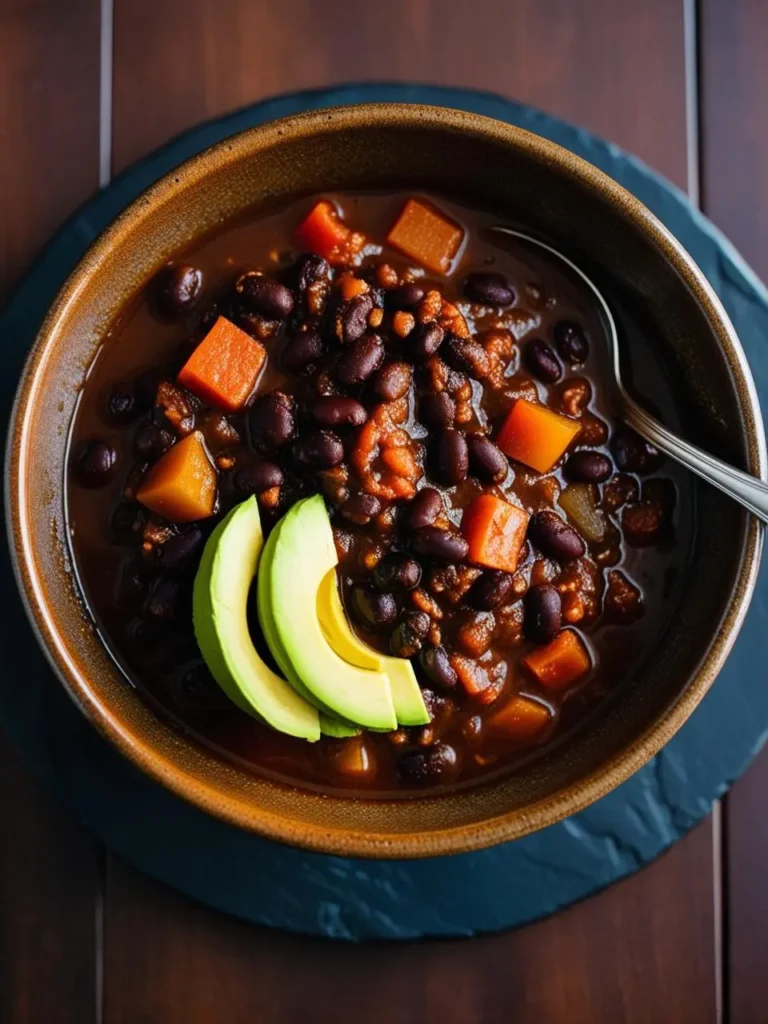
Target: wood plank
[[642, 951], [620, 73], [49, 867], [734, 109], [586, 964]]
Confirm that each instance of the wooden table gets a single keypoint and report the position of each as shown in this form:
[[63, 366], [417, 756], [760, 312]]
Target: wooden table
[[88, 87]]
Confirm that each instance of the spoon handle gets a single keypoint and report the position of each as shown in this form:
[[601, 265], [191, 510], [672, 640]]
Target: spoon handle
[[747, 490]]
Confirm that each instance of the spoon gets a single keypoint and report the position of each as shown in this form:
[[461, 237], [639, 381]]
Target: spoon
[[747, 490]]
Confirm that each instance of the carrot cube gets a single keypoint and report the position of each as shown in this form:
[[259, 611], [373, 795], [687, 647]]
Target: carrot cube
[[181, 486], [519, 719], [495, 531], [535, 436], [561, 662], [426, 236], [225, 367], [324, 232]]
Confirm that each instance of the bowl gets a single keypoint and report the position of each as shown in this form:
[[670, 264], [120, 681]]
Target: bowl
[[527, 181]]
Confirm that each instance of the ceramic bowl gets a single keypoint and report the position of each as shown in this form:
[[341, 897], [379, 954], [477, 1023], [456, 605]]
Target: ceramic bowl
[[528, 181]]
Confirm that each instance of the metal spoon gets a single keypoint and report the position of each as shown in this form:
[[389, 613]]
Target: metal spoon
[[746, 489]]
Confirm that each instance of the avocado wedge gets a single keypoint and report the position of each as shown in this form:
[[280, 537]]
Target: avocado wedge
[[229, 563], [303, 553], [406, 695]]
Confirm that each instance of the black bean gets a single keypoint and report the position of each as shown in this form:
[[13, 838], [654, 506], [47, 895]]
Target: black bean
[[488, 287], [467, 356], [372, 608], [195, 690], [571, 341], [397, 572], [428, 767], [163, 602], [437, 410], [121, 406], [541, 360], [151, 441], [127, 519], [95, 463], [437, 666], [450, 457], [302, 351], [588, 466], [306, 270], [259, 476], [407, 296], [337, 411], [543, 615], [633, 454], [360, 360], [489, 590], [353, 318], [424, 509], [424, 340], [179, 551], [272, 421], [392, 381], [178, 289], [264, 295], [408, 636], [554, 537], [442, 545], [322, 450], [486, 460], [130, 589], [361, 508]]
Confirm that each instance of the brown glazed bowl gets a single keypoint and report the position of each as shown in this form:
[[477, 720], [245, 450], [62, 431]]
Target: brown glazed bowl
[[527, 181]]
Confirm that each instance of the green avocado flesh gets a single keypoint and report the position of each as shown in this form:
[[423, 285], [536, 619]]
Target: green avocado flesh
[[220, 599], [300, 555], [330, 725]]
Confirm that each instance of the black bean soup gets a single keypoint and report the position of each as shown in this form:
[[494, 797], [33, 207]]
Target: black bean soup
[[419, 404]]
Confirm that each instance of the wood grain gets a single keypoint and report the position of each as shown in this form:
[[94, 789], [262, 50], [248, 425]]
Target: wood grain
[[643, 951], [617, 69], [584, 966], [49, 867], [734, 111]]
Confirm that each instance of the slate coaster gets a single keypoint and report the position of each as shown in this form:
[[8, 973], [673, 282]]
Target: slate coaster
[[348, 899]]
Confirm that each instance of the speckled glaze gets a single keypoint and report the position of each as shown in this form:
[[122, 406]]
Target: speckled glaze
[[531, 182]]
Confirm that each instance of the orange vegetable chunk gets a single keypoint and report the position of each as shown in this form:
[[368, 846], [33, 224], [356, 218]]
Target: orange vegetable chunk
[[495, 531], [426, 236], [325, 233], [225, 367], [181, 486], [519, 719], [354, 758], [561, 662], [535, 436]]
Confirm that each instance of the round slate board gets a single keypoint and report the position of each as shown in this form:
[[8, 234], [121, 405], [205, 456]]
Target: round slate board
[[354, 899]]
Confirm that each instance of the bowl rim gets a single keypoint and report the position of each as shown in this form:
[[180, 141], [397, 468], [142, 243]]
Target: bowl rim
[[237, 810]]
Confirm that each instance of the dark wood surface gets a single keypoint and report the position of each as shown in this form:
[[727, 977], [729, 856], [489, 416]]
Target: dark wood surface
[[84, 938]]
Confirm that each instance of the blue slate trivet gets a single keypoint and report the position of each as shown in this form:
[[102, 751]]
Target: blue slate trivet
[[354, 899]]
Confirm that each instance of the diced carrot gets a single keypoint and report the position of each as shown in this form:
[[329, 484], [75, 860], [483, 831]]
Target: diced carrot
[[476, 679], [535, 436], [350, 287], [225, 367], [426, 236], [561, 662], [181, 486], [354, 758], [495, 531], [519, 719], [324, 232]]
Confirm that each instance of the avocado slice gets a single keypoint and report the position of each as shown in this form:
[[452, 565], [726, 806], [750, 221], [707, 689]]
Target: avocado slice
[[304, 551], [219, 603], [330, 725], [406, 695]]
